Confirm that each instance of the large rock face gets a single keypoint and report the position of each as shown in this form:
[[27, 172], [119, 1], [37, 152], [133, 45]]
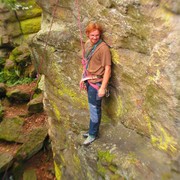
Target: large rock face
[[140, 130]]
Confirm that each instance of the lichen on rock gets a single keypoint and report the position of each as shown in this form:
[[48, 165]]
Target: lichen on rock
[[140, 118]]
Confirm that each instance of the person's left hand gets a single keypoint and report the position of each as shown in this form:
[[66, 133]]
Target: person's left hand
[[82, 85], [101, 92]]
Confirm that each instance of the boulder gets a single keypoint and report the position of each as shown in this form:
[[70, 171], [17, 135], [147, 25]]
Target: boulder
[[11, 130], [9, 64], [18, 96], [33, 144], [36, 104], [6, 161], [29, 174]]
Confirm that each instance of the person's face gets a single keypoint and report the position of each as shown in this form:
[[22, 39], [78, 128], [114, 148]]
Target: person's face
[[94, 36]]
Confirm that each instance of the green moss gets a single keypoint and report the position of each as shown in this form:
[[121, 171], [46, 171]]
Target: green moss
[[128, 78], [101, 169], [77, 162], [104, 12], [151, 96], [105, 156], [114, 107], [34, 12], [105, 164], [12, 57], [166, 176], [163, 140], [148, 121], [119, 109], [132, 158], [56, 110], [58, 172], [105, 118], [136, 21], [73, 95], [64, 90], [164, 14], [2, 63], [16, 51], [156, 77], [30, 26], [117, 177], [115, 56]]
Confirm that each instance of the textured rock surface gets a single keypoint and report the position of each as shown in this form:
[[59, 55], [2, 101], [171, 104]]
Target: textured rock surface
[[36, 105], [5, 161], [10, 130], [140, 129], [17, 23]]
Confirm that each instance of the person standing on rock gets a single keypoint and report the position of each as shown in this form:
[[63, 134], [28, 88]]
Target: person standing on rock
[[96, 75]]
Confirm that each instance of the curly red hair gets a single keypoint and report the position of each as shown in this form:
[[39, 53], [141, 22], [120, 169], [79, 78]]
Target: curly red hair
[[94, 26]]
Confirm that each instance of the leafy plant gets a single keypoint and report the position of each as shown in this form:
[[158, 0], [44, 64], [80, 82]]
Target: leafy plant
[[11, 3], [15, 5], [12, 77], [2, 61]]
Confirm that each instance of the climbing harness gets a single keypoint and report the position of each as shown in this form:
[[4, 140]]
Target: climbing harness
[[86, 75], [86, 59]]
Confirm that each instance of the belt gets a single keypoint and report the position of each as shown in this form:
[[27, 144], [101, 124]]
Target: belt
[[92, 77]]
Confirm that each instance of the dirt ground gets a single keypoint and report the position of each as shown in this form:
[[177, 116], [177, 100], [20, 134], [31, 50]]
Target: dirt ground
[[42, 162]]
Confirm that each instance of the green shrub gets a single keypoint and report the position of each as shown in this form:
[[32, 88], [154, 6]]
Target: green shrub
[[2, 62], [10, 3], [12, 77]]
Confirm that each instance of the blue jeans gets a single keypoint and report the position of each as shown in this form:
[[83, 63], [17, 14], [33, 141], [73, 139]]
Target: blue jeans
[[94, 102]]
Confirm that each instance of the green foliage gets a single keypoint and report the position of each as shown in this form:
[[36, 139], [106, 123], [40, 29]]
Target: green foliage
[[12, 77], [15, 5], [10, 3], [105, 156], [2, 62]]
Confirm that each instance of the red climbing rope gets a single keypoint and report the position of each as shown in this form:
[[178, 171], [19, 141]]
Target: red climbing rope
[[48, 35], [80, 29], [84, 61]]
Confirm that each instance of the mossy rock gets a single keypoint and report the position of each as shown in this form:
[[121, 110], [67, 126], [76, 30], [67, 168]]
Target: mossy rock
[[30, 26], [13, 28], [30, 72], [30, 13], [33, 144], [23, 48], [9, 64], [23, 59], [18, 96], [6, 161], [10, 129], [36, 104], [29, 174]]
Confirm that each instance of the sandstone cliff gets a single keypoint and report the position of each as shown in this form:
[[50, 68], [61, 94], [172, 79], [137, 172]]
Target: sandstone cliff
[[140, 130]]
